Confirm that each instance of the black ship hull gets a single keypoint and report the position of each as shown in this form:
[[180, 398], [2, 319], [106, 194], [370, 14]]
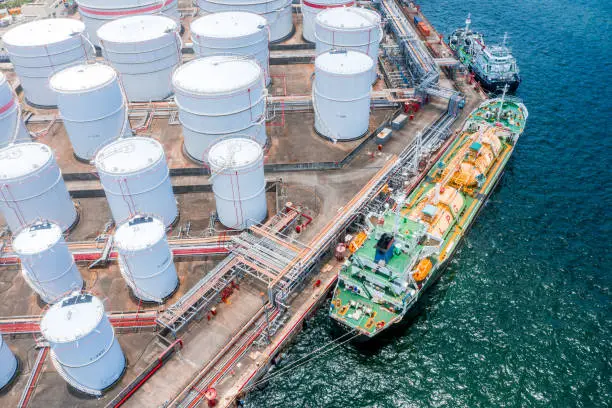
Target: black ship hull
[[497, 86]]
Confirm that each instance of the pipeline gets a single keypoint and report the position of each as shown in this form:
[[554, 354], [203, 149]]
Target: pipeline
[[126, 393]]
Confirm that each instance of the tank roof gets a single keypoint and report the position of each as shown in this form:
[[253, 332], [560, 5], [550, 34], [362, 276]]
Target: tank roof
[[72, 318], [139, 232], [349, 18], [129, 155], [234, 153], [21, 159], [36, 238], [137, 28], [331, 2], [82, 77], [344, 62], [217, 75], [43, 32], [228, 24]]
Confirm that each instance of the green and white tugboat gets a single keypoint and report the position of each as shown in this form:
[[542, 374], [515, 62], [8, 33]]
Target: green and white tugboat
[[493, 66]]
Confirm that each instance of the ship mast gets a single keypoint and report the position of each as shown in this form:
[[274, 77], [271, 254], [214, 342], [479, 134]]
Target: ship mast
[[468, 21], [501, 105], [505, 38]]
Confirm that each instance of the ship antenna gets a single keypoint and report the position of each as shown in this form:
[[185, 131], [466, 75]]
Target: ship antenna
[[468, 21], [503, 97]]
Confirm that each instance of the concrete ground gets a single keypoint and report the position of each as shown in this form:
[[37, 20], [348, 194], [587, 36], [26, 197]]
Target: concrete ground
[[320, 194]]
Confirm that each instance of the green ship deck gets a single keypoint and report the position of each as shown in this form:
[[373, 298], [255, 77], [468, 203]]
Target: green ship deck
[[400, 252]]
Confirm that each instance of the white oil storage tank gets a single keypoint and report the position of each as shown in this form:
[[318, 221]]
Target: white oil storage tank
[[278, 13], [144, 50], [46, 263], [94, 13], [32, 187], [42, 47], [341, 94], [310, 9], [351, 28], [8, 364], [12, 128], [233, 33], [145, 258], [136, 180], [92, 107], [219, 96], [84, 349], [239, 184]]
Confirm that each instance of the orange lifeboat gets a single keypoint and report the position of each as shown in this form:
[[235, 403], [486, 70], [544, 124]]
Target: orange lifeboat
[[423, 269]]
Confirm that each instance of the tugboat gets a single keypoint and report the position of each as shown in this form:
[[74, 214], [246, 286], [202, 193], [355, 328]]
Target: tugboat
[[402, 250], [493, 66]]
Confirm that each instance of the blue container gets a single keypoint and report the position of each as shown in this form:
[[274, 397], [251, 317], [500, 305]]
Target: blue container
[[417, 20]]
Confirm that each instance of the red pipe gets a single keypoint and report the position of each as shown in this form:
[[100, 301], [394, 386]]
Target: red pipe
[[159, 364], [308, 218], [37, 372]]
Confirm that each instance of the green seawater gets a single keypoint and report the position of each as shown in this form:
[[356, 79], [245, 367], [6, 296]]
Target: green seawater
[[523, 315]]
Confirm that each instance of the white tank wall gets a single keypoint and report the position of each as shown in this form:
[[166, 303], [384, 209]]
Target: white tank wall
[[239, 184], [83, 343], [40, 48], [352, 28], [46, 263], [32, 187], [145, 50], [233, 33], [145, 258], [310, 8], [341, 93], [8, 364], [136, 179], [277, 12], [10, 129], [95, 13], [219, 96], [92, 107]]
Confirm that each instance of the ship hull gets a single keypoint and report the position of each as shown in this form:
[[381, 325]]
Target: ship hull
[[416, 308], [496, 86]]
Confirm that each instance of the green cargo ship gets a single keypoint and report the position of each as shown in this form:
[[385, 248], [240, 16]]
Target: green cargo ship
[[403, 249]]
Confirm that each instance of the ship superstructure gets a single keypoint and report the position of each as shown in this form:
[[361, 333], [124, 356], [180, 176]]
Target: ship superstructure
[[403, 249]]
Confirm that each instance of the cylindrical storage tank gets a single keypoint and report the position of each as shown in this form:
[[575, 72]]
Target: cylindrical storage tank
[[84, 349], [239, 184], [341, 94], [95, 13], [46, 263], [145, 258], [278, 13], [42, 47], [219, 96], [135, 177], [92, 107], [233, 33], [8, 364], [351, 28], [12, 128], [32, 187], [310, 9], [144, 50]]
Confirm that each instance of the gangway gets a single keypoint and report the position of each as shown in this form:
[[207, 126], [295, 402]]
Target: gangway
[[207, 291]]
